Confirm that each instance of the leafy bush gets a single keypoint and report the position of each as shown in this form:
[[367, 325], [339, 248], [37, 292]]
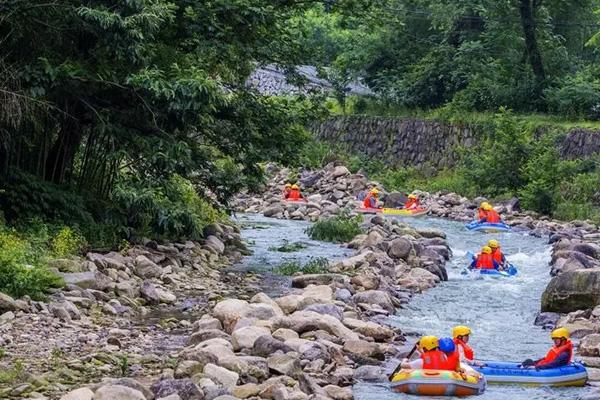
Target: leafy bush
[[576, 95], [340, 228], [21, 268], [67, 242]]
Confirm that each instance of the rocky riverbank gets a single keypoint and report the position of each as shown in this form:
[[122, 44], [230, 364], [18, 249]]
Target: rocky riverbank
[[572, 297]]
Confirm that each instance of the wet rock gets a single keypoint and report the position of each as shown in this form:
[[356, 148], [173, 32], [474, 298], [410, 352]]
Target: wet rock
[[79, 394], [547, 319], [431, 233], [338, 393], [368, 373], [145, 268], [113, 392], [273, 210], [573, 290], [184, 388], [222, 376]]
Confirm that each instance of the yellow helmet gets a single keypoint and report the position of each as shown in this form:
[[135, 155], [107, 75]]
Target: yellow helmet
[[294, 186], [460, 330], [483, 204], [486, 250], [374, 191], [429, 342], [487, 207], [560, 333], [412, 196], [494, 244], [288, 185]]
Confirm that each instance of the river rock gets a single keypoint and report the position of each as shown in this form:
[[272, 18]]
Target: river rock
[[229, 311], [573, 290], [378, 297], [590, 345], [215, 243], [305, 321], [273, 210], [266, 345], [364, 348], [7, 303], [145, 268], [113, 392], [369, 328], [247, 390], [79, 394], [204, 335], [338, 393], [149, 293], [339, 171], [244, 338], [221, 375], [547, 319], [431, 233], [184, 388], [399, 248], [368, 373], [328, 309], [285, 364], [84, 280], [285, 334], [303, 281]]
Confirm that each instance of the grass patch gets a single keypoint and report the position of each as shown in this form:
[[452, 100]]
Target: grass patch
[[341, 228], [318, 265], [288, 247], [12, 375]]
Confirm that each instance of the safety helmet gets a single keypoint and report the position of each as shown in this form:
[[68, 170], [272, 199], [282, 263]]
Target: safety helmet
[[494, 244], [429, 342], [460, 330], [412, 196], [487, 207], [288, 185], [447, 345], [294, 186], [560, 333], [486, 250], [484, 204], [374, 191]]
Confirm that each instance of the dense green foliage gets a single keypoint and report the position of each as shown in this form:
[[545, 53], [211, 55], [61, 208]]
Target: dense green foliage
[[318, 265], [528, 55], [340, 228], [111, 115]]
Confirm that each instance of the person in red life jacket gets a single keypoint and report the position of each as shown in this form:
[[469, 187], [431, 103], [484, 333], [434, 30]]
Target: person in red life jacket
[[461, 335], [371, 200], [559, 355], [431, 356], [497, 254], [490, 215], [484, 260], [286, 190], [481, 211], [294, 193], [448, 347], [412, 203]]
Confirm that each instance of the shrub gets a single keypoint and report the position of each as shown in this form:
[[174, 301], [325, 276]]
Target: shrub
[[576, 95], [318, 265], [67, 242], [341, 228], [21, 270]]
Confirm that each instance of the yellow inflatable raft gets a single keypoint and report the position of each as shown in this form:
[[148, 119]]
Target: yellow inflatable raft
[[437, 383]]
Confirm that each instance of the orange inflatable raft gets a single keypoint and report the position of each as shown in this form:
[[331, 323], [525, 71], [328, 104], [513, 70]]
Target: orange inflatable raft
[[437, 383]]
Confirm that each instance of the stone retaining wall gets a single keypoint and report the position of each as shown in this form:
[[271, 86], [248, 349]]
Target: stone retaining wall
[[413, 142]]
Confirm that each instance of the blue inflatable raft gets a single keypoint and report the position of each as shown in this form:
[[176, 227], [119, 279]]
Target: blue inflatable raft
[[573, 374], [511, 271], [488, 227]]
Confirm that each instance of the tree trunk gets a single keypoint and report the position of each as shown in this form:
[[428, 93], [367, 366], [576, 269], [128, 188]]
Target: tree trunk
[[59, 163], [533, 52]]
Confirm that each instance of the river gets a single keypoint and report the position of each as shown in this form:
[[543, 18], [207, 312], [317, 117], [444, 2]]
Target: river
[[500, 311]]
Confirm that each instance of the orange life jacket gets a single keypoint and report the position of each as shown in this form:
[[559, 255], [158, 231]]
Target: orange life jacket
[[294, 194], [467, 350], [492, 216], [497, 255], [453, 361], [434, 359], [411, 203], [554, 352], [484, 261], [367, 201], [286, 192], [480, 213]]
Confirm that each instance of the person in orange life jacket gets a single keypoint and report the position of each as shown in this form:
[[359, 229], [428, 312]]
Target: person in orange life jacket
[[431, 356], [286, 190], [461, 335], [481, 211], [484, 260], [448, 347], [412, 203], [497, 254], [294, 193], [559, 355], [371, 200], [490, 215]]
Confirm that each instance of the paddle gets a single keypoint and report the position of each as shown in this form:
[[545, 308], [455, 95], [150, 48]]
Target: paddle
[[400, 364]]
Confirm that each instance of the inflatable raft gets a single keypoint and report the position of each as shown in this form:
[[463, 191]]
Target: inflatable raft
[[393, 211], [436, 383], [488, 227], [573, 374], [512, 271]]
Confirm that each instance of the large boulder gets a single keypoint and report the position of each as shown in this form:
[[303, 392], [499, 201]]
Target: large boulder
[[399, 248], [79, 394], [223, 376], [395, 200], [145, 268], [185, 388], [112, 392], [273, 210], [590, 345], [377, 297], [572, 290], [245, 337], [230, 311], [306, 321]]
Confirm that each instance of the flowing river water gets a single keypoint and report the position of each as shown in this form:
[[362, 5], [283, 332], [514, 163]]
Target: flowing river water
[[500, 311]]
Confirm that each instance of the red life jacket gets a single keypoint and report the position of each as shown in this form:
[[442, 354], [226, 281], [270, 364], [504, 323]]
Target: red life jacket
[[467, 350], [434, 359], [286, 193], [294, 194], [554, 352], [485, 261], [480, 213], [367, 201], [497, 255], [492, 216], [453, 363], [411, 203]]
